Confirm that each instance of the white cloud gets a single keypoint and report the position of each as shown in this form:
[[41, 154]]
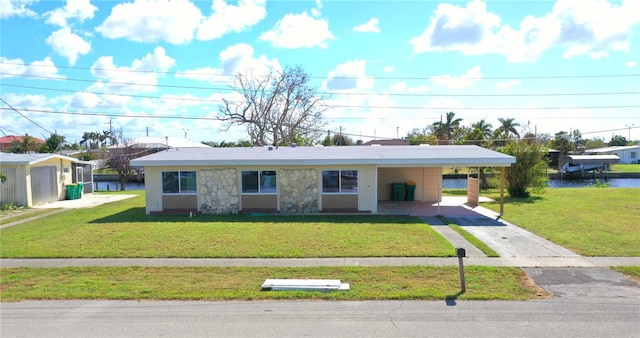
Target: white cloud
[[371, 26], [141, 76], [173, 21], [234, 59], [17, 67], [74, 9], [43, 68], [465, 80], [298, 31], [581, 27], [16, 8], [456, 28], [68, 44], [227, 18], [348, 76], [398, 87], [508, 84], [419, 89], [388, 69], [630, 64], [84, 100]]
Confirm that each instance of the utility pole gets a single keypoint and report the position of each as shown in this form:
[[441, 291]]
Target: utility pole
[[629, 126]]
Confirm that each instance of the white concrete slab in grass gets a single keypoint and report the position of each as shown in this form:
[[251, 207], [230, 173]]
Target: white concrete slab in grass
[[304, 285]]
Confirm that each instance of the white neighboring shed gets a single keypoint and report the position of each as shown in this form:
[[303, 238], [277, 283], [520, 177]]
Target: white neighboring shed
[[299, 179], [627, 154], [35, 179]]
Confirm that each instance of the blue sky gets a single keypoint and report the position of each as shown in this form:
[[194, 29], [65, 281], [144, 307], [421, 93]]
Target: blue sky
[[161, 67]]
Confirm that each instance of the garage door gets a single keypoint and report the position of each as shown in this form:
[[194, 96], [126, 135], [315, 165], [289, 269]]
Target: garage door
[[44, 188]]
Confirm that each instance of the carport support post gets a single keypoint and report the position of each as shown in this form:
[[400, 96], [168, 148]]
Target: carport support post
[[501, 191]]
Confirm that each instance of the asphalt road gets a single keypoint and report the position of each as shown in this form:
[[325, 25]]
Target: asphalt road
[[588, 317]]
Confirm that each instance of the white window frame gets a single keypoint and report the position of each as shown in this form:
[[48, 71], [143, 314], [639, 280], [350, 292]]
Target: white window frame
[[180, 192], [340, 189], [260, 191]]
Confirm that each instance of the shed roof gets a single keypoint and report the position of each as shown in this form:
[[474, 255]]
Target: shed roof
[[29, 159], [592, 159], [390, 156], [611, 149]]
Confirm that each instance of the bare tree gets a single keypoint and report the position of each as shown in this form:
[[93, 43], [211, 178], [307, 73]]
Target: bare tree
[[120, 156], [276, 108]]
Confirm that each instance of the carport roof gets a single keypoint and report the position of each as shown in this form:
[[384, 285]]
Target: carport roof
[[383, 156], [29, 159]]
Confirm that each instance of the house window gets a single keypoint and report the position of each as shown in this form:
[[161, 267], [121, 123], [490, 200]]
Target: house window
[[179, 182], [258, 182], [633, 154], [340, 181]]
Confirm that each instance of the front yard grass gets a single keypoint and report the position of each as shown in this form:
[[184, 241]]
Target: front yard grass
[[121, 229], [243, 283], [588, 221]]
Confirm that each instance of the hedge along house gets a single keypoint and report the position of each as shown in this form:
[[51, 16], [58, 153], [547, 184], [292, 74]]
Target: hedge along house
[[291, 180], [36, 179]]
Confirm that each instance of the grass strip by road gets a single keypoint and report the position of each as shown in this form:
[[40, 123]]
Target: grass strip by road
[[471, 238], [122, 229], [244, 283], [590, 221], [631, 272]]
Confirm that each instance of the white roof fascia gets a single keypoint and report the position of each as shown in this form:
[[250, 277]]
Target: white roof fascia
[[391, 156]]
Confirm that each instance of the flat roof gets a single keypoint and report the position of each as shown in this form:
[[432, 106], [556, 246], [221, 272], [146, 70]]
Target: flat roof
[[592, 159], [10, 158], [611, 149], [390, 156]]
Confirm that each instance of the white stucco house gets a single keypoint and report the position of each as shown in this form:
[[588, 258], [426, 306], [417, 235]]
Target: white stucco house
[[291, 180], [36, 179], [627, 154]]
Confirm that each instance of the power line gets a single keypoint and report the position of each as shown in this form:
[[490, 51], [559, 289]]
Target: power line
[[330, 106], [340, 93], [541, 77], [30, 120], [209, 118]]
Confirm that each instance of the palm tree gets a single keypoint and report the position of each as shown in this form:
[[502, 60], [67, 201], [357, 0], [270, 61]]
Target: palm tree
[[444, 130], [482, 128], [507, 127]]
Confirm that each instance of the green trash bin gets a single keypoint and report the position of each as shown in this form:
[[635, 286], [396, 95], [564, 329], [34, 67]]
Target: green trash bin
[[80, 190], [411, 190], [72, 192], [397, 191]]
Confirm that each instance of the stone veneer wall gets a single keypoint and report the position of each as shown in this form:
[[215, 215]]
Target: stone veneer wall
[[219, 191], [298, 191]]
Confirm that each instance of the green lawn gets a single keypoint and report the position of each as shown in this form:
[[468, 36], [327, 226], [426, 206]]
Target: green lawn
[[589, 221], [121, 229], [243, 283], [625, 168]]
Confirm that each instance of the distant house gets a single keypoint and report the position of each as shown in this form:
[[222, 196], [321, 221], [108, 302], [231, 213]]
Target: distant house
[[5, 141], [291, 180], [395, 142], [627, 154], [154, 144], [35, 179]]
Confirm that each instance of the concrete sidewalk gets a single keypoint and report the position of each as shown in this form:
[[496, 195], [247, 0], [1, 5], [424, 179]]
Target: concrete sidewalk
[[530, 262]]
